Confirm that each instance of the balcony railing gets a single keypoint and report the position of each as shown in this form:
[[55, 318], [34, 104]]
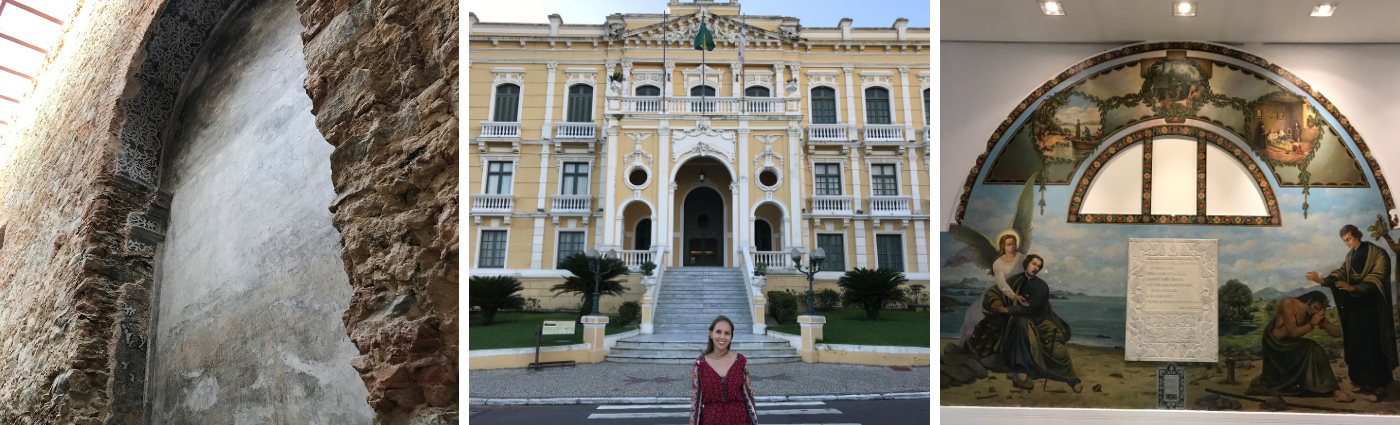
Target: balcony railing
[[774, 259], [709, 105], [635, 258], [575, 130], [570, 203], [484, 203], [827, 132], [832, 204], [500, 129], [884, 132], [889, 205]]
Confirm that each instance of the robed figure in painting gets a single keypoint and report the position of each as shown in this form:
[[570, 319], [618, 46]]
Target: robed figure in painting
[[1296, 366], [1034, 342], [1361, 288], [985, 319]]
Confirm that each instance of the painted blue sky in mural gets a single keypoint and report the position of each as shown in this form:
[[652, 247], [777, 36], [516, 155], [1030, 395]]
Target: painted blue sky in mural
[[1092, 258]]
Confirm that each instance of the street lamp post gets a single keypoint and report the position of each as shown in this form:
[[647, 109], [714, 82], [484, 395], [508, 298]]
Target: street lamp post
[[816, 264], [594, 258]]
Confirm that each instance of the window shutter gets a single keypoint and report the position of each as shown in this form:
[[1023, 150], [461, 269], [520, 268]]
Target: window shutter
[[507, 101]]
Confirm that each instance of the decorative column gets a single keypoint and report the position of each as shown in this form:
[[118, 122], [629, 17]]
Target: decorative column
[[811, 332], [547, 130], [914, 191], [738, 71], [795, 187], [858, 202], [594, 336], [920, 245], [908, 113], [668, 82], [779, 82], [610, 205], [737, 223], [537, 253], [602, 193], [666, 198], [850, 71], [742, 169]]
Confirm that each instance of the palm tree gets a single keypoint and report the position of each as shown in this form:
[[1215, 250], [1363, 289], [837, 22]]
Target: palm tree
[[493, 293], [871, 289], [582, 281]]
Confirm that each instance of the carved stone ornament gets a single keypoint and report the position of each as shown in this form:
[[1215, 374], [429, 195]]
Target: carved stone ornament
[[1172, 300], [703, 141]]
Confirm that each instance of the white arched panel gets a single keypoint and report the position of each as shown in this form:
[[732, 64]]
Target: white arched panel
[[1230, 190], [1118, 189], [1174, 175]]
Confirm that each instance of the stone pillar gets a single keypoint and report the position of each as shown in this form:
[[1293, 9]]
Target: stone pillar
[[908, 113], [745, 213], [648, 303], [811, 332], [610, 203], [665, 196], [759, 312], [537, 252], [593, 335], [850, 71], [738, 71], [860, 243], [795, 187], [667, 83], [856, 192], [547, 130], [920, 246], [737, 223], [914, 192], [779, 83]]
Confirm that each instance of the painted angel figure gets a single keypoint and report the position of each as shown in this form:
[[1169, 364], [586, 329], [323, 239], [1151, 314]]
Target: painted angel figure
[[987, 317]]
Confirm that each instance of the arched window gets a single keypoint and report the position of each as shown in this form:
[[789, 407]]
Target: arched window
[[823, 105], [580, 103], [926, 111], [877, 106], [507, 103], [648, 91], [641, 239], [649, 106], [756, 92], [702, 91], [762, 235], [707, 105]]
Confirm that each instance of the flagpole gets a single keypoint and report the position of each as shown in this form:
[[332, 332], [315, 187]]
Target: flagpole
[[666, 80], [743, 71]]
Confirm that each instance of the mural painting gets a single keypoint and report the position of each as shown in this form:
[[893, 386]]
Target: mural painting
[[1033, 304]]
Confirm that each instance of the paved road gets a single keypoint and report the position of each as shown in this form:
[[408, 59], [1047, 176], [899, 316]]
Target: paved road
[[840, 412]]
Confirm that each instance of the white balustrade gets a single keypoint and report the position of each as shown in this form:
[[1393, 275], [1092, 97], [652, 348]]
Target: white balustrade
[[827, 132], [704, 105], [774, 259], [492, 203], [570, 203], [575, 130], [884, 132], [641, 104], [832, 204], [500, 129], [635, 258], [889, 205], [766, 105]]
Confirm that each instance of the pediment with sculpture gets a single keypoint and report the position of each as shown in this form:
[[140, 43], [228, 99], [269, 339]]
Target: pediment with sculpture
[[703, 141], [683, 28]]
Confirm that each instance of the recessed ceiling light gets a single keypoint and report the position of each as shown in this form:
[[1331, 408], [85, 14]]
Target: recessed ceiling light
[[1053, 8], [1184, 8], [1324, 9]]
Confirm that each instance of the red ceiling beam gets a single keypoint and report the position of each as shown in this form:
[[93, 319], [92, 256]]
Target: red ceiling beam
[[27, 77], [4, 97], [36, 12], [22, 43]]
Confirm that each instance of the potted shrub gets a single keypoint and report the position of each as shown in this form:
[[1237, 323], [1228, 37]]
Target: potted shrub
[[792, 85], [647, 279], [760, 275], [615, 82]]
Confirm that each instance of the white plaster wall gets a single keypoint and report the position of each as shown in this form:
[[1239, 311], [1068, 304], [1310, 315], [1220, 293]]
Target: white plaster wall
[[982, 82]]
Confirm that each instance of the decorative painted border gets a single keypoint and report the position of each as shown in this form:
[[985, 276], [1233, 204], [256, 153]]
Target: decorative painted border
[[1172, 45], [1200, 218]]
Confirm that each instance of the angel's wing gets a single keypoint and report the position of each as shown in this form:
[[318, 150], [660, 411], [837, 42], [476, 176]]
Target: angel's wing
[[1025, 211], [983, 250]]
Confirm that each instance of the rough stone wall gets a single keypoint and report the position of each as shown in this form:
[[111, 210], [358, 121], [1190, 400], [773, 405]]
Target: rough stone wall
[[70, 292], [382, 77], [248, 287]]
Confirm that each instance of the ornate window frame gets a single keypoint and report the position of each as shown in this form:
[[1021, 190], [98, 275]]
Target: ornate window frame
[[634, 161], [502, 76], [480, 229], [759, 79], [693, 77], [557, 231], [577, 76], [647, 77], [1203, 136], [903, 246], [813, 160], [885, 160], [560, 160], [486, 159], [824, 78]]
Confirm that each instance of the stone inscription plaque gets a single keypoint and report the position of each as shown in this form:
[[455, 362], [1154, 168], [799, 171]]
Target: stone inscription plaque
[[1172, 289]]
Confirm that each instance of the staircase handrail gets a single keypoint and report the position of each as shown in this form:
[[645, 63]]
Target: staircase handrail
[[655, 290], [746, 259]]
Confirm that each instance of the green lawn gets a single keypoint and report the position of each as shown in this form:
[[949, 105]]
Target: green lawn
[[848, 326], [517, 330]]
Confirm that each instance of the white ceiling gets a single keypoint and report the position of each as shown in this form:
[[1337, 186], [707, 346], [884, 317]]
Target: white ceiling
[[1117, 21]]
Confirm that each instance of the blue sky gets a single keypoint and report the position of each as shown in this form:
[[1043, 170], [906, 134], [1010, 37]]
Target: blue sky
[[812, 13], [1080, 257]]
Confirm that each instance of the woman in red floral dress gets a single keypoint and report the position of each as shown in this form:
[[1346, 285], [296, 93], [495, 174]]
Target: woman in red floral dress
[[720, 392]]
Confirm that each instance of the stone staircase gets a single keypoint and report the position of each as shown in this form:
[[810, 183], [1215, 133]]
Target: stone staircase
[[691, 298]]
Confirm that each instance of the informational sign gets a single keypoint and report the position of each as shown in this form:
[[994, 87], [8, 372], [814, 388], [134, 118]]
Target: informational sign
[[1171, 387], [558, 327], [1172, 300]]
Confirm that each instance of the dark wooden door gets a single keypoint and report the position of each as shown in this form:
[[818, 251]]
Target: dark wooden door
[[704, 228]]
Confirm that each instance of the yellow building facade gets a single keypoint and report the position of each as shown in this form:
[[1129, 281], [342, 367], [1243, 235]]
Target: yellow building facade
[[616, 137]]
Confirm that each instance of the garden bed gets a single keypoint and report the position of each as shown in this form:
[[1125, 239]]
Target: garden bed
[[517, 330], [848, 326]]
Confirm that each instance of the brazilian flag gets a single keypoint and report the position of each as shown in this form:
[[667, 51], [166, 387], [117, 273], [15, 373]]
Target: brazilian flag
[[703, 39]]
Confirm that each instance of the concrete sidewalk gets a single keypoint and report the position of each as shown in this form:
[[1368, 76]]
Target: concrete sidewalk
[[633, 380]]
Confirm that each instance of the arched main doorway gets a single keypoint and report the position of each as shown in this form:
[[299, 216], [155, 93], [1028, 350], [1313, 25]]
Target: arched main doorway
[[703, 228]]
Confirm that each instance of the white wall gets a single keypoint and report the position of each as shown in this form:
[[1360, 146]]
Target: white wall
[[982, 82]]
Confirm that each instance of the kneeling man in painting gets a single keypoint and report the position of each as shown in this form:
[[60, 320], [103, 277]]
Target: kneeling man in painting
[[1034, 342], [1296, 366]]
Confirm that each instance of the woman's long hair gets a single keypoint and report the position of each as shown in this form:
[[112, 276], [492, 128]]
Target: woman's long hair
[[710, 341], [1001, 244]]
